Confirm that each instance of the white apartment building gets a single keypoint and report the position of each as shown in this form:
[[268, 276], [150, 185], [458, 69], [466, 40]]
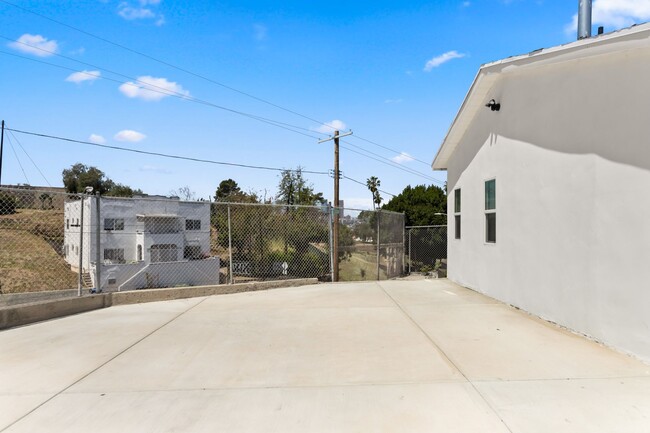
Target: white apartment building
[[140, 242]]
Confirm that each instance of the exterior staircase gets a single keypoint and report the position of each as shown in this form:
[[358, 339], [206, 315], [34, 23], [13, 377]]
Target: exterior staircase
[[87, 280]]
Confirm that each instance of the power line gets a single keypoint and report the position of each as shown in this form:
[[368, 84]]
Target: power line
[[361, 183], [152, 88], [17, 159], [160, 154], [431, 179], [390, 162], [183, 96], [428, 164], [30, 158], [194, 74], [164, 155], [207, 103], [162, 62]]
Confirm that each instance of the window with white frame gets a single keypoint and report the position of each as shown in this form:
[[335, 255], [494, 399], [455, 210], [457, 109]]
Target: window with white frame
[[491, 211], [113, 223], [457, 213], [192, 252], [115, 255], [192, 224]]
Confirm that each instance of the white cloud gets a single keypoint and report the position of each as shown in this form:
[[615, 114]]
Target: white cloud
[[36, 45], [145, 9], [152, 89], [131, 13], [402, 157], [615, 14], [97, 139], [467, 4], [330, 127], [393, 101], [130, 136], [260, 32], [443, 58], [78, 77]]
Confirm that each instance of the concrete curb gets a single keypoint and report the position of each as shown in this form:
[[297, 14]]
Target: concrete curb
[[17, 315], [154, 295]]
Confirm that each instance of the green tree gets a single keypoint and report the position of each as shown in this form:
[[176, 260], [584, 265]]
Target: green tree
[[226, 189], [119, 190], [293, 188], [422, 205], [79, 176], [373, 184], [229, 191]]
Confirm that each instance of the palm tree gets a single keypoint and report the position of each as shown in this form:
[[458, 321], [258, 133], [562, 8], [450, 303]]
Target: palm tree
[[373, 184]]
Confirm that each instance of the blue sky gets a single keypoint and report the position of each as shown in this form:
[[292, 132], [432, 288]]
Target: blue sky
[[393, 72]]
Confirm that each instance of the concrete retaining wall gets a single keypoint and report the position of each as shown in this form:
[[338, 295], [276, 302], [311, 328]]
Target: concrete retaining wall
[[17, 315]]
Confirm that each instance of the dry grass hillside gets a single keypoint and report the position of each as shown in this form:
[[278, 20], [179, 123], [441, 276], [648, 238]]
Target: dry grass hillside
[[30, 245]]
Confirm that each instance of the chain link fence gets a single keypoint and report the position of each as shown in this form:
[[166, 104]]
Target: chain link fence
[[68, 244], [426, 249], [371, 245]]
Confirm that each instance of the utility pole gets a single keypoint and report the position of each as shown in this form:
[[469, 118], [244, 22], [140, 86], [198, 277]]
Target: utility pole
[[336, 210], [2, 142]]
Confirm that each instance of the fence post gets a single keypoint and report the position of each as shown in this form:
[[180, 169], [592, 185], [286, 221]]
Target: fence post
[[410, 231], [98, 265], [81, 248], [230, 247], [331, 239], [404, 246], [378, 241]]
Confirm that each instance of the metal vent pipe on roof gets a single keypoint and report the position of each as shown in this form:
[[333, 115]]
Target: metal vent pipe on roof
[[584, 19]]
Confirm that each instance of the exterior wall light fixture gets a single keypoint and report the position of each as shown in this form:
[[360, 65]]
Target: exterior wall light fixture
[[493, 105]]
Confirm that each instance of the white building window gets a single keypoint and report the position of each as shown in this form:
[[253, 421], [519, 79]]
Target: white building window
[[113, 223], [115, 255], [192, 252], [490, 211], [163, 253], [457, 213], [192, 224]]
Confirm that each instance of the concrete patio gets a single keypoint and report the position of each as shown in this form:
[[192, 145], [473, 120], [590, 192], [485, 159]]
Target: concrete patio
[[395, 356]]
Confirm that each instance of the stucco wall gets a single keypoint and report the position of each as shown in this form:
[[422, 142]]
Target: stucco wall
[[570, 154]]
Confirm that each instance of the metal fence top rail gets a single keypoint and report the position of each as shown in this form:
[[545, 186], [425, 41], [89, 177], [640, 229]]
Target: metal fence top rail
[[425, 227]]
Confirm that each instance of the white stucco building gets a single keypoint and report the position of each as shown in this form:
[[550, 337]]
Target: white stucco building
[[140, 242], [549, 208]]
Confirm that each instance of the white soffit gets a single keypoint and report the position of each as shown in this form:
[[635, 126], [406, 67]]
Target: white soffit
[[627, 39]]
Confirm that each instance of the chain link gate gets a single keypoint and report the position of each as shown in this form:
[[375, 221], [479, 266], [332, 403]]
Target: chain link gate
[[427, 249]]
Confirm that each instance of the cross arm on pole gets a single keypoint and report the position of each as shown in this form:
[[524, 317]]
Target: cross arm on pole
[[335, 136]]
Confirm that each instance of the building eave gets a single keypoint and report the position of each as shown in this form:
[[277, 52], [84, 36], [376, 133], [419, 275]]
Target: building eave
[[479, 93]]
